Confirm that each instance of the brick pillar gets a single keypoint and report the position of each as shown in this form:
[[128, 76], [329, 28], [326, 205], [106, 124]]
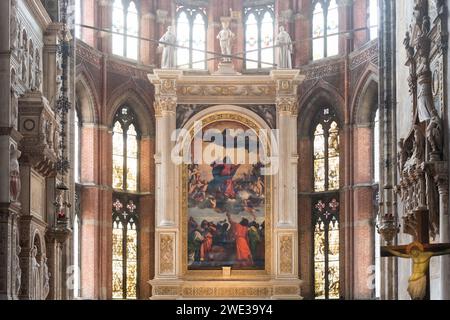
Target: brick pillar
[[301, 34], [363, 215], [96, 213], [105, 22]]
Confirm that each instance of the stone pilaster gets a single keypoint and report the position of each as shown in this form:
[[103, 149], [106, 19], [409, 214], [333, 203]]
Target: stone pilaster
[[166, 219], [285, 213]]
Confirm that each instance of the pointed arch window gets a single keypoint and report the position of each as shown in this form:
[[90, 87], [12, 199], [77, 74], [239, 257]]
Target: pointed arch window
[[325, 213], [191, 24], [125, 249], [325, 29], [125, 27], [125, 151], [259, 37], [326, 152], [372, 21]]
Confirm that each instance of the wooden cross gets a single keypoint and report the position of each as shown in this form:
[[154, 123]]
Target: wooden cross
[[420, 252]]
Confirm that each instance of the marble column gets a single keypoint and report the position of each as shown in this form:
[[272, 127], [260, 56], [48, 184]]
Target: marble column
[[285, 184], [166, 218]]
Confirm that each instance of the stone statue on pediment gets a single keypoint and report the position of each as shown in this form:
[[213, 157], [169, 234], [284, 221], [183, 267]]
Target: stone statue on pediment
[[284, 43], [226, 37], [167, 43]]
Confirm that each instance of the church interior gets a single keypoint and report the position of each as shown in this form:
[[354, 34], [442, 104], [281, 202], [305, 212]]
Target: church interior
[[224, 149]]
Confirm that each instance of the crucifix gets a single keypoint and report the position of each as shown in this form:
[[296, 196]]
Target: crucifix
[[420, 252]]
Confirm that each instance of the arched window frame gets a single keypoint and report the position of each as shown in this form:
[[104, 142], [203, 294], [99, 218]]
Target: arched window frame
[[126, 117], [126, 237], [259, 12], [191, 13], [325, 213], [326, 37], [122, 32]]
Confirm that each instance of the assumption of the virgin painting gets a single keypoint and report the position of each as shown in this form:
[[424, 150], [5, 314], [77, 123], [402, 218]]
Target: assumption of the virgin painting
[[226, 202]]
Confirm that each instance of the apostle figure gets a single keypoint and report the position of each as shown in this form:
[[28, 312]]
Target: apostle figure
[[240, 232], [168, 42], [284, 43], [226, 37], [207, 240], [14, 180]]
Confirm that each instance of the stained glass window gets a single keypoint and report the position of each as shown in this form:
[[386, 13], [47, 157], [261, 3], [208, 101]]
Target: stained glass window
[[125, 249], [259, 37], [325, 29], [132, 32], [326, 156], [125, 27], [326, 247], [191, 26], [326, 152], [125, 147], [372, 22]]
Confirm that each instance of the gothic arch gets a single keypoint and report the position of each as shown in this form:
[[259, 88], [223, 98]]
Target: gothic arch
[[322, 94], [131, 95], [365, 99], [87, 100]]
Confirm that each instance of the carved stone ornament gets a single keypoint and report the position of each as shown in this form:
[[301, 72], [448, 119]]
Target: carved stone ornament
[[166, 259], [421, 152], [287, 104], [165, 104]]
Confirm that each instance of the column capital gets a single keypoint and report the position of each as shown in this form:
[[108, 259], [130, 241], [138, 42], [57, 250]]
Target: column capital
[[287, 82], [165, 104], [165, 82], [287, 104]]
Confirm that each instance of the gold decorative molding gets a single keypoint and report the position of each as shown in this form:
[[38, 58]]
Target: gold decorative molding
[[202, 291], [166, 291], [286, 291], [226, 90], [286, 265], [166, 254]]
